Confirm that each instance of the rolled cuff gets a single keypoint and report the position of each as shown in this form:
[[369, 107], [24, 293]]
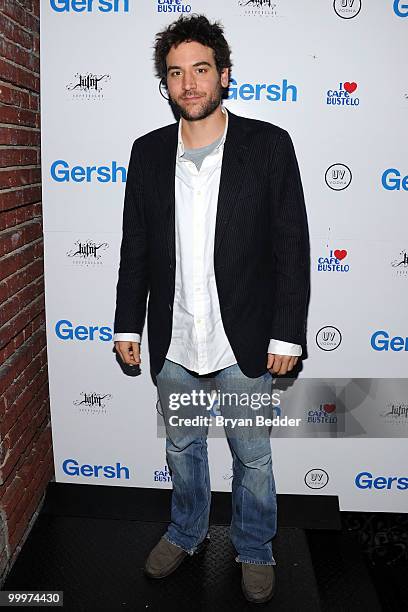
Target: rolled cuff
[[126, 337], [279, 347]]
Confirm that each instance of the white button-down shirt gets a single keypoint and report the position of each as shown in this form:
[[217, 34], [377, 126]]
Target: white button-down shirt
[[198, 339]]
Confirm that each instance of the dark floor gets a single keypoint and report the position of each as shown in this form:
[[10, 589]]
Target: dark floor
[[91, 543]]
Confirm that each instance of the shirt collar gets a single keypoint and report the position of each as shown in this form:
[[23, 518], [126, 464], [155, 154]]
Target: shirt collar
[[180, 148]]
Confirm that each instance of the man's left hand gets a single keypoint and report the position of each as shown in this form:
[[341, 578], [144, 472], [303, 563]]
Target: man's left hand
[[281, 364]]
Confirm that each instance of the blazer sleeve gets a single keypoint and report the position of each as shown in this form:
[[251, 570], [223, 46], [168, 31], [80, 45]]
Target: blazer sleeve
[[133, 283], [290, 247]]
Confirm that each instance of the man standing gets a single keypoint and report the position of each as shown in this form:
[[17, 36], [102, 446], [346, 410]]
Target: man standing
[[215, 231]]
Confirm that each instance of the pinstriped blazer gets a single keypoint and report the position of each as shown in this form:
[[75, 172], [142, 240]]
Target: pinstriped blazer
[[261, 243]]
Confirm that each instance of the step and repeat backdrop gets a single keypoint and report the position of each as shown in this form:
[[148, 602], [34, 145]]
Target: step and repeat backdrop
[[334, 75]]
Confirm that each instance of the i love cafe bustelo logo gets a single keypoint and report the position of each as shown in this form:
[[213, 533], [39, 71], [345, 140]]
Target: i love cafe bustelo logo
[[343, 95]]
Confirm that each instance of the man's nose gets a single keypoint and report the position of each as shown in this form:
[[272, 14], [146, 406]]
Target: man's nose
[[189, 81]]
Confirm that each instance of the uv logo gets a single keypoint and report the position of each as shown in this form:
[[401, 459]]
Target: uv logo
[[88, 6], [71, 467], [61, 172], [365, 480], [316, 479], [401, 8], [393, 181], [65, 330], [328, 338], [347, 9], [381, 341], [338, 177], [273, 92]]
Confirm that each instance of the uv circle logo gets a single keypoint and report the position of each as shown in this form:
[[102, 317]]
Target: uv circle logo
[[328, 338], [316, 478], [163, 90], [347, 9], [338, 177], [401, 8]]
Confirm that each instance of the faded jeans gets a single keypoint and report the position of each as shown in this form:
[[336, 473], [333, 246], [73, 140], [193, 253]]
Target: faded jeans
[[253, 523]]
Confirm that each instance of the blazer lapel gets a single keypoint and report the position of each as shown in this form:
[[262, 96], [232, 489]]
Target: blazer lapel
[[166, 185], [232, 173]]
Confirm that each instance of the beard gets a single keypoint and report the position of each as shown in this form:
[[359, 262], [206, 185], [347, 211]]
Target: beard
[[203, 107]]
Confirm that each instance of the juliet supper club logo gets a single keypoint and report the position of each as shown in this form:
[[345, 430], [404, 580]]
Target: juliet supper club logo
[[260, 8], [88, 86], [343, 95]]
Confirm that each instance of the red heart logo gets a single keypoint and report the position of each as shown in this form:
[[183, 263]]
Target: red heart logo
[[350, 87], [340, 254], [329, 407]]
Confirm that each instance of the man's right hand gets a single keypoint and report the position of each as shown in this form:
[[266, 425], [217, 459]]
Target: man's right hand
[[129, 351]]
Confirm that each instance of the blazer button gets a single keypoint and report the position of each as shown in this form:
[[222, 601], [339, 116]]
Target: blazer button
[[170, 307]]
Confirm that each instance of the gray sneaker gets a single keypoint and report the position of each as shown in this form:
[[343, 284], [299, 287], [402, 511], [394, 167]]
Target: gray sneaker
[[165, 557], [258, 582]]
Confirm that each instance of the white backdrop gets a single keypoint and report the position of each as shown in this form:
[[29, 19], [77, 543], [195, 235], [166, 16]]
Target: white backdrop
[[99, 93]]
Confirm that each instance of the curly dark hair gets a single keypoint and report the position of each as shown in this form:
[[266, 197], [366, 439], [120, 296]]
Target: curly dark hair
[[195, 28]]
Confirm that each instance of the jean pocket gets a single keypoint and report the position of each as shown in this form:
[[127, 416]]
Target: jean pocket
[[161, 370], [166, 363]]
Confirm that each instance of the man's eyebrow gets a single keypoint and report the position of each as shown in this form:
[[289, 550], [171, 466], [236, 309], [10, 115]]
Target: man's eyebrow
[[203, 63]]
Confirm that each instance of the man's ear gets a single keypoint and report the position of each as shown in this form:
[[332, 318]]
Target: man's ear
[[225, 77]]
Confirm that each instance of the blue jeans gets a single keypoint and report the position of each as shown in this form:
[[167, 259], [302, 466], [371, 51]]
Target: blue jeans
[[253, 523]]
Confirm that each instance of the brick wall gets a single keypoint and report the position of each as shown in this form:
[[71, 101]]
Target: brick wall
[[26, 461]]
